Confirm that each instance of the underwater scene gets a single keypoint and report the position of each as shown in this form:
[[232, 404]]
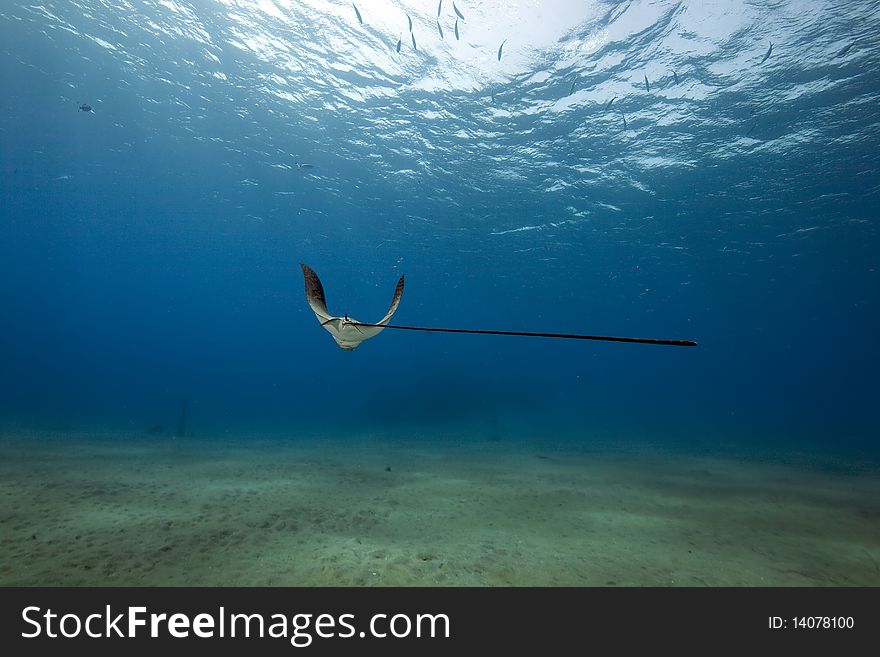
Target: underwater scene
[[313, 293]]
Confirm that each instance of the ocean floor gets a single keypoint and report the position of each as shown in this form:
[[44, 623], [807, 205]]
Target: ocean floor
[[117, 510]]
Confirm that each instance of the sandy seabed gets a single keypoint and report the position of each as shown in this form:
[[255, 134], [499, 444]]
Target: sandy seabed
[[102, 510]]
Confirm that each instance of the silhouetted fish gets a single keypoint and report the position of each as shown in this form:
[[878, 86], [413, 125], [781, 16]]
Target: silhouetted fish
[[675, 77], [571, 91], [399, 41], [439, 7], [845, 50], [360, 20], [440, 29], [456, 29], [624, 121], [457, 12], [414, 41], [410, 22], [767, 56], [499, 49], [647, 84]]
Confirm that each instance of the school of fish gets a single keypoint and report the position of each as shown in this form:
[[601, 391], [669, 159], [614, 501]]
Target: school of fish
[[460, 16]]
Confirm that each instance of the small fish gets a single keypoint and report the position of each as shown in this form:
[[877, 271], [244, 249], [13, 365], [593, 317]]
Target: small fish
[[456, 29], [624, 121], [440, 29], [439, 7], [647, 84], [611, 101], [767, 56], [399, 41], [410, 22], [414, 41], [675, 77], [845, 50], [499, 49], [360, 20], [457, 12]]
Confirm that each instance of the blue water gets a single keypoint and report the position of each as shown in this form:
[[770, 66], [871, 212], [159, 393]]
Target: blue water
[[149, 249]]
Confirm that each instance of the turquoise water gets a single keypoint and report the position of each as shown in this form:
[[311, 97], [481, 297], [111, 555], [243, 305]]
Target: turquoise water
[[150, 247]]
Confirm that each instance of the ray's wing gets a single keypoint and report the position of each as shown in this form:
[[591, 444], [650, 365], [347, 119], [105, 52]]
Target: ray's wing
[[366, 332], [315, 294], [354, 333], [395, 301]]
